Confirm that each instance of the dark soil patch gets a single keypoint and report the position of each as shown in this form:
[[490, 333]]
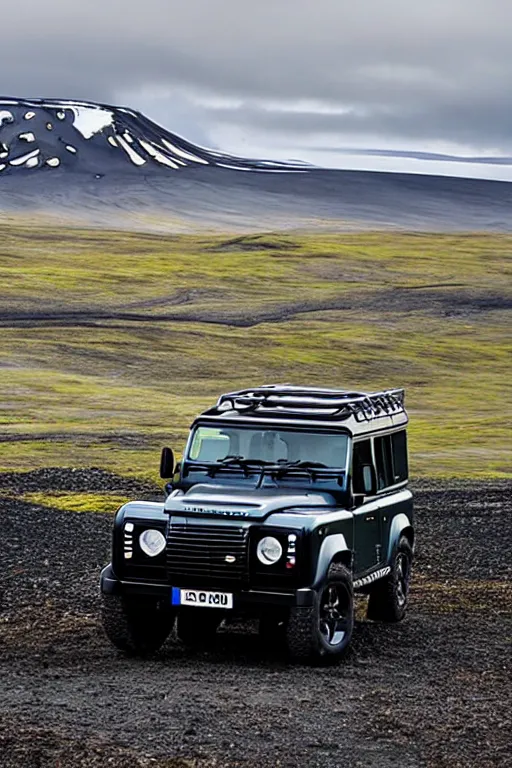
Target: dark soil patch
[[92, 480], [433, 302], [431, 691], [254, 243]]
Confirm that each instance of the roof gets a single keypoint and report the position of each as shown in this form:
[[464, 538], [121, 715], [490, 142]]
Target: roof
[[356, 411]]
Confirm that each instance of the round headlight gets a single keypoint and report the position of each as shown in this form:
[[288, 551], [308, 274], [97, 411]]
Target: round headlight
[[152, 542], [269, 550]]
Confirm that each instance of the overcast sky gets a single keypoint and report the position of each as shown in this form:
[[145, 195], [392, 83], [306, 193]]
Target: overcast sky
[[283, 79]]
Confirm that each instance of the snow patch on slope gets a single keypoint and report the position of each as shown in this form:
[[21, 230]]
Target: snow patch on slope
[[100, 139]]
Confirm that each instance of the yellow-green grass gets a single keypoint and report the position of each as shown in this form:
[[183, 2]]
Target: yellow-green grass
[[77, 502], [111, 393], [461, 595]]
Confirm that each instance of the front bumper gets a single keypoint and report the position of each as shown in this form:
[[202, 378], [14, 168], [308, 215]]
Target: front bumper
[[111, 585]]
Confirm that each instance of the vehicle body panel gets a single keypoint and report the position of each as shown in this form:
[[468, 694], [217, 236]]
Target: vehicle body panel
[[215, 516]]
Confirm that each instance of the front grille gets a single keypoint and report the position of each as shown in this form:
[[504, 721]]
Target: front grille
[[196, 555]]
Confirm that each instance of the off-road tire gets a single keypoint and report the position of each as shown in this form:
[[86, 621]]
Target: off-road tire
[[305, 640], [388, 597], [138, 626], [197, 626]]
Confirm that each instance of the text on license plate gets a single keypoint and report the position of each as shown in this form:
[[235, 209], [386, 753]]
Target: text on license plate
[[200, 599]]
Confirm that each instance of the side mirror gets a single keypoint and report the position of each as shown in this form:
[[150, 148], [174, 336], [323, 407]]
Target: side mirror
[[368, 480], [364, 482], [167, 463]]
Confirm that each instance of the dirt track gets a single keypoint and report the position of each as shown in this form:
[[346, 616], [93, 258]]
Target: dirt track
[[433, 302], [431, 691]]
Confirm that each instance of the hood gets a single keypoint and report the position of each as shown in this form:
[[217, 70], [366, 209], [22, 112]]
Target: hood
[[217, 501]]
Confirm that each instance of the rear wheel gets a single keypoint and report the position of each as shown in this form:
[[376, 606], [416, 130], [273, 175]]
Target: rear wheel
[[322, 632], [389, 596], [197, 626], [136, 625]]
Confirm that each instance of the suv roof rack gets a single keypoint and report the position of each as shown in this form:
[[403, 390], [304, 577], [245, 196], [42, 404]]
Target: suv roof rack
[[286, 401]]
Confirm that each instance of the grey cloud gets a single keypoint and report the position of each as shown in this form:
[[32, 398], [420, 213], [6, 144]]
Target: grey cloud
[[453, 123], [418, 74]]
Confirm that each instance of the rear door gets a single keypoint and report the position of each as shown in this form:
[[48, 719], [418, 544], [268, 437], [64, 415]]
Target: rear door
[[391, 467]]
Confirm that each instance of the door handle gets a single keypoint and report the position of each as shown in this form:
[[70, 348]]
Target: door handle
[[370, 518]]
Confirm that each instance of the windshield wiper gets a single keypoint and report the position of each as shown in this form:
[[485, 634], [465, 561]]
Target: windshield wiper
[[237, 461], [309, 467], [278, 468]]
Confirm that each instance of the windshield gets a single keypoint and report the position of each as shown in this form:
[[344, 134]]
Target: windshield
[[210, 445]]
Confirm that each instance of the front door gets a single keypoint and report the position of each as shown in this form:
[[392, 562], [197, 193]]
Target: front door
[[367, 531], [367, 537]]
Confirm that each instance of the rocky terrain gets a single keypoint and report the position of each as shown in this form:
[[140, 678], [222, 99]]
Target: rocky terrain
[[431, 691]]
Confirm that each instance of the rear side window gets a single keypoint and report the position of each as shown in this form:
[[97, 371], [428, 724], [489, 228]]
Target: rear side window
[[399, 448], [391, 459], [383, 462]]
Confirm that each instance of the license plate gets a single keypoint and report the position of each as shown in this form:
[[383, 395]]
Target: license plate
[[197, 598]]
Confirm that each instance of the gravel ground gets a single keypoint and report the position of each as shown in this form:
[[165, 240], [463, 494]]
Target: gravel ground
[[433, 690]]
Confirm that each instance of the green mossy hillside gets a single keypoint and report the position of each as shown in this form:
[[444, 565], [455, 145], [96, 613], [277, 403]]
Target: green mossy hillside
[[111, 342]]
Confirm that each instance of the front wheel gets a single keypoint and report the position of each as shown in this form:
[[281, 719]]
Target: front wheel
[[389, 596], [322, 632], [136, 625]]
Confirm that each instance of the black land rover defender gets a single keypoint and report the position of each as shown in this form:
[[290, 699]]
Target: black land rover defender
[[286, 501]]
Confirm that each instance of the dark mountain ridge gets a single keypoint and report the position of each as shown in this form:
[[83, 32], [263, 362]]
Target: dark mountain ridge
[[82, 136], [111, 166]]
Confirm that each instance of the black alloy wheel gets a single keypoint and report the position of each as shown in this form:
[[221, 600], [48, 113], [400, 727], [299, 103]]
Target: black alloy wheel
[[322, 632], [334, 613], [403, 571], [389, 596]]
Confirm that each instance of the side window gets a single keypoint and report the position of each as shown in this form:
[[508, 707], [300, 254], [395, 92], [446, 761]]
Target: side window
[[399, 446], [362, 455], [383, 462], [391, 459]]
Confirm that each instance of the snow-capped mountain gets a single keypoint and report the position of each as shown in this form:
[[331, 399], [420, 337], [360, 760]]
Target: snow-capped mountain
[[44, 134], [95, 164]]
